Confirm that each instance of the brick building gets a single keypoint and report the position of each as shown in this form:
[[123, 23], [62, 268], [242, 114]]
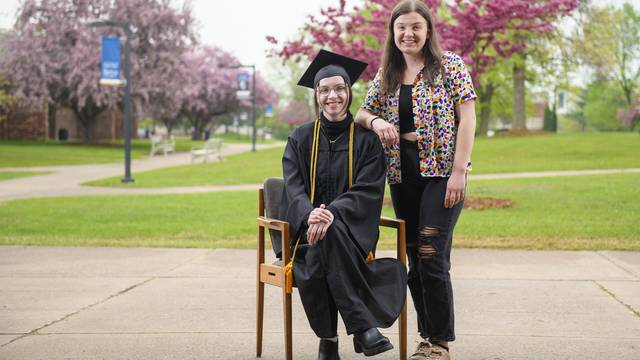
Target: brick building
[[34, 124]]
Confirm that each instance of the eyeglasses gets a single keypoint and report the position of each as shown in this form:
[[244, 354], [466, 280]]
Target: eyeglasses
[[339, 90]]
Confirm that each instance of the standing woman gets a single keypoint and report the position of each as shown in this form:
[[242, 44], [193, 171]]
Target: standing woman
[[421, 105]]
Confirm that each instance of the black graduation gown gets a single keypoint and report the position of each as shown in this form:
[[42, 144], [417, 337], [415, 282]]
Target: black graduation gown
[[333, 275]]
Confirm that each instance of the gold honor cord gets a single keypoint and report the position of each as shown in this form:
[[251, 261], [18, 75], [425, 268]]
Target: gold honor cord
[[288, 269]]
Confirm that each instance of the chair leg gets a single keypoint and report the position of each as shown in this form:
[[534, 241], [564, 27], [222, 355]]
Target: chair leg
[[259, 318], [288, 341], [403, 332]]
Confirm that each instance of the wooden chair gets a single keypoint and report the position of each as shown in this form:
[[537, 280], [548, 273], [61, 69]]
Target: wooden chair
[[273, 274]]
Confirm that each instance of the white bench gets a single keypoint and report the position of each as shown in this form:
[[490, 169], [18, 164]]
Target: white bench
[[162, 145], [212, 147]]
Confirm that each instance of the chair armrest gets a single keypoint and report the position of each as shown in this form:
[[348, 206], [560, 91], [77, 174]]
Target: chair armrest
[[273, 224], [390, 222], [283, 228]]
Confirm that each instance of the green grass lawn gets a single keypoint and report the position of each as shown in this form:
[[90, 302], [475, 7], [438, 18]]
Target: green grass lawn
[[491, 155], [183, 144], [245, 168], [572, 151], [574, 213], [49, 153], [20, 174], [233, 138]]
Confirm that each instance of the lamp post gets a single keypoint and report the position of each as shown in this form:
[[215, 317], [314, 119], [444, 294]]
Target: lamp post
[[126, 27], [253, 101]]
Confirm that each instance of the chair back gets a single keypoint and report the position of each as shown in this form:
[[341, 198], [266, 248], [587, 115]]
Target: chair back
[[272, 196]]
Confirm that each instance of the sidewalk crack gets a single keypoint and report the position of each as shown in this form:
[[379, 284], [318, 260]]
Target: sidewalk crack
[[65, 317], [615, 263], [610, 293]]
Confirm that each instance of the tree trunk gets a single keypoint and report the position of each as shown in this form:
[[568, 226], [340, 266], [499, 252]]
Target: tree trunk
[[87, 117], [51, 119], [486, 94], [87, 123], [519, 109], [198, 127], [554, 117], [169, 125]]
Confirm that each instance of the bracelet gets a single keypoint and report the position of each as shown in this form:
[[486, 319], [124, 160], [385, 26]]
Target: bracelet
[[372, 120]]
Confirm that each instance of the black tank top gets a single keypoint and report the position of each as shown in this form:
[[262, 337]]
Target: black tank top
[[405, 110]]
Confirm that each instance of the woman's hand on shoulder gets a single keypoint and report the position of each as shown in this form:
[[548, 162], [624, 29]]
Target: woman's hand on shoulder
[[386, 132]]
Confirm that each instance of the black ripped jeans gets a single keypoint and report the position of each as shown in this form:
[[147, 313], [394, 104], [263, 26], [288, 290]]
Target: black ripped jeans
[[420, 202]]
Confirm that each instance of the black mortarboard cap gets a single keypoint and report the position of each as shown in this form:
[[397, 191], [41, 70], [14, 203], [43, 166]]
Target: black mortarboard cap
[[327, 64]]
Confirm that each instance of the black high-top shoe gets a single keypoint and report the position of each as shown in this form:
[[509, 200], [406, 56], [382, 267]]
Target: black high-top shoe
[[328, 350], [371, 342]]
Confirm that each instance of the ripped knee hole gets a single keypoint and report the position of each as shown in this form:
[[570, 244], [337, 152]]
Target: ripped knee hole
[[426, 250]]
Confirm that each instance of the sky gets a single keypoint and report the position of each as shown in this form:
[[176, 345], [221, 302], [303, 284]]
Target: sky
[[238, 26]]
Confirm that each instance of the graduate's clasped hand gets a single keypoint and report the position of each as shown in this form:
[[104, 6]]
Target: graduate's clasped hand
[[319, 221]]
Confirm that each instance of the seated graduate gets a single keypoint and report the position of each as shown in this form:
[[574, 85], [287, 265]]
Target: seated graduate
[[334, 176]]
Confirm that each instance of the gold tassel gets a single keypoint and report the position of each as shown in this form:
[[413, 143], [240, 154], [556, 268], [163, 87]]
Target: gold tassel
[[288, 277], [369, 258]]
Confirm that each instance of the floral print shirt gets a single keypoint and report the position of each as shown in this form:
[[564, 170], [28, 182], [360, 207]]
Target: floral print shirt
[[434, 116]]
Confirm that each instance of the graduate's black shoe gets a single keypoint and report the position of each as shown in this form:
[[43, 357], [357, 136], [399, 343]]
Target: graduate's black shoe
[[328, 350], [371, 342]]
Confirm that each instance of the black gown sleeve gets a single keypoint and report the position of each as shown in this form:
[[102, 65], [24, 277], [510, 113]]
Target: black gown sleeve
[[360, 206], [295, 206]]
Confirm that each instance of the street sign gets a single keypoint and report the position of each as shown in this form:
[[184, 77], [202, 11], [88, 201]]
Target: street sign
[[268, 111], [110, 62]]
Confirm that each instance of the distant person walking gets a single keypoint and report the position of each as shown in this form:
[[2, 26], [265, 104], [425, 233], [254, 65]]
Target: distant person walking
[[421, 105]]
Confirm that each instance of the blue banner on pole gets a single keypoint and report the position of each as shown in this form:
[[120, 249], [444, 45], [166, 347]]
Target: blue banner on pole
[[243, 86], [243, 81], [110, 64]]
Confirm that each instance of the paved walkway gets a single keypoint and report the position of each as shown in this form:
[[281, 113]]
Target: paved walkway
[[117, 303], [66, 180]]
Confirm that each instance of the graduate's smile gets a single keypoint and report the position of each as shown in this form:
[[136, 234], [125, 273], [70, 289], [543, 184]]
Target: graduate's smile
[[334, 105]]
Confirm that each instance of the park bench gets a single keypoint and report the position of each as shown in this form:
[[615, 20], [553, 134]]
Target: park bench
[[212, 147], [161, 145]]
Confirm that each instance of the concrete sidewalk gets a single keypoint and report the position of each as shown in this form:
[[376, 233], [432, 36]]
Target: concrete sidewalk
[[117, 303]]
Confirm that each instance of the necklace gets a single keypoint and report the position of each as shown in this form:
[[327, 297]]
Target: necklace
[[334, 140]]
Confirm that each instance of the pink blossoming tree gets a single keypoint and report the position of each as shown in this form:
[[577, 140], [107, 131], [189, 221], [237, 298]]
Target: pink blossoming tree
[[212, 85], [53, 56], [468, 27]]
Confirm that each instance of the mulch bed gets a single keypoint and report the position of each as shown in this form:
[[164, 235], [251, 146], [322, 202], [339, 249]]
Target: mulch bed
[[482, 203]]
